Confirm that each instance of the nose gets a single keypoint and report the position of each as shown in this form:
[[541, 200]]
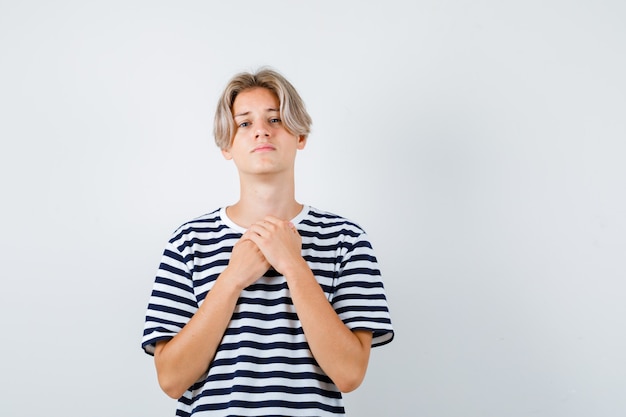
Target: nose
[[262, 130]]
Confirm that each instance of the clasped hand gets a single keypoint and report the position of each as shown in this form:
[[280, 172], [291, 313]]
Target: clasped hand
[[269, 242]]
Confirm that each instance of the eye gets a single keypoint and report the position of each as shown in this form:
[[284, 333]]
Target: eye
[[244, 124], [275, 120]]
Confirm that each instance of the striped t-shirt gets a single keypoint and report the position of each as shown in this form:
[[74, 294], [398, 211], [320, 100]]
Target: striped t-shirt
[[263, 366]]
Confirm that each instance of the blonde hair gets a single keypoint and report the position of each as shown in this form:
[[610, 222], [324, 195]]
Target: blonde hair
[[292, 110]]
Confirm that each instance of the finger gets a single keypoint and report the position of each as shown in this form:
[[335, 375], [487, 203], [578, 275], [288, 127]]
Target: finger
[[250, 236], [292, 228], [245, 236], [272, 222], [257, 229], [272, 219]]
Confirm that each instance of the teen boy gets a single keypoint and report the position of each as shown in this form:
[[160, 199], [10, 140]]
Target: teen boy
[[268, 306]]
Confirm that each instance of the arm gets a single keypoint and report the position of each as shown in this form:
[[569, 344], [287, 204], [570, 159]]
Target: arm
[[181, 360], [341, 353]]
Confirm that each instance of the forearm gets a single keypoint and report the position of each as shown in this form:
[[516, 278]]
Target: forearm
[[341, 353], [183, 359]]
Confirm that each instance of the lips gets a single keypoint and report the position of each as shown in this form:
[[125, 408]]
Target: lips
[[266, 147]]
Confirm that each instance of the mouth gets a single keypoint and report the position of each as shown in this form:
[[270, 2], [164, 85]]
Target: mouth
[[264, 148]]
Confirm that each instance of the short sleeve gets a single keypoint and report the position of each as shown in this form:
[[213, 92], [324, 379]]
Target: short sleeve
[[172, 302], [359, 296]]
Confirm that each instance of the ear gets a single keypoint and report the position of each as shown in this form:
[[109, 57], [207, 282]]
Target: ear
[[301, 142], [227, 155]]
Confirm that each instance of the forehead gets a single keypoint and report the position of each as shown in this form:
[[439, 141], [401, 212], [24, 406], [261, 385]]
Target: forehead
[[257, 98]]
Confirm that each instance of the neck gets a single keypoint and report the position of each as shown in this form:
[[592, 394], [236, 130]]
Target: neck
[[264, 197]]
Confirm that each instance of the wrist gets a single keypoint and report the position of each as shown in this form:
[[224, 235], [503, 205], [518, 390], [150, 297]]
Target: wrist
[[228, 282], [296, 269]]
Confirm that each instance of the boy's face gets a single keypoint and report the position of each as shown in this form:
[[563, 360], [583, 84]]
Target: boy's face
[[262, 144]]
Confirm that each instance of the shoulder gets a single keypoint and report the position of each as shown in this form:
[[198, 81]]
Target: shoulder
[[328, 222], [209, 223]]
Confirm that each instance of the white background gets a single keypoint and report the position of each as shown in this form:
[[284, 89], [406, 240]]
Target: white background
[[481, 144]]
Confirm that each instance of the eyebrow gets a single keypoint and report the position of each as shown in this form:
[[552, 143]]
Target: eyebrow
[[247, 112]]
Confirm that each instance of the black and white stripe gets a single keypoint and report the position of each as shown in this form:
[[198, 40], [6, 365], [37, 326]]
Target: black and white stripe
[[264, 365]]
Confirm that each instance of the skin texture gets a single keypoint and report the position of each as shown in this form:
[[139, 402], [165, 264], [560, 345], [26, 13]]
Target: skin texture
[[264, 152]]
